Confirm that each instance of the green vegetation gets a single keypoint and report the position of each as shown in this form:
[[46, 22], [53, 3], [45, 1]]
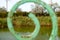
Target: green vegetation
[[25, 24], [22, 23]]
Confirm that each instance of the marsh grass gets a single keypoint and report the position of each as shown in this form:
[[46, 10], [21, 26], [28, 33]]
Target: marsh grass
[[25, 24]]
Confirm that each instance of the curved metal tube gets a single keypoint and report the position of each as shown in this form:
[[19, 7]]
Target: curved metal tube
[[36, 22]]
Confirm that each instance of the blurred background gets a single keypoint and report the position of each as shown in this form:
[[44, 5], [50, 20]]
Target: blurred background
[[23, 24]]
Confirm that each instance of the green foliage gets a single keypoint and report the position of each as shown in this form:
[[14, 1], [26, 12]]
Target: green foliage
[[23, 21], [3, 23], [3, 12]]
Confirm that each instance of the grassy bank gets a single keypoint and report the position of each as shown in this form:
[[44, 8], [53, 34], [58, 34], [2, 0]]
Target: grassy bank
[[25, 24]]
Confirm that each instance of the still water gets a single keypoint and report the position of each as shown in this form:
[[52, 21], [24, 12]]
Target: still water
[[9, 36]]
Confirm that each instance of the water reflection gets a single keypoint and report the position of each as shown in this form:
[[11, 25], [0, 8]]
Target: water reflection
[[9, 36]]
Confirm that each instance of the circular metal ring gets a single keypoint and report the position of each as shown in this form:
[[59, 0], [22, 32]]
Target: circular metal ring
[[49, 9], [32, 16], [54, 20]]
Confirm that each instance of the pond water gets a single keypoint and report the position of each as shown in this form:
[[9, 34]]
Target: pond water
[[9, 36], [44, 33]]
